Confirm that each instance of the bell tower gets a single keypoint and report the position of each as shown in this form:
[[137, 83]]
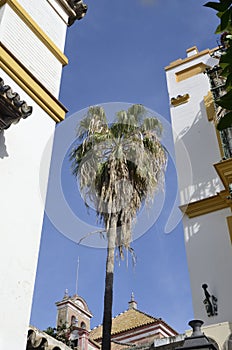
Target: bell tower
[[74, 316], [73, 310]]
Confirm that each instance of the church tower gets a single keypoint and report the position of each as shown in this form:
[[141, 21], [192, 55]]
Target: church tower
[[73, 315], [204, 168], [32, 40], [73, 310]]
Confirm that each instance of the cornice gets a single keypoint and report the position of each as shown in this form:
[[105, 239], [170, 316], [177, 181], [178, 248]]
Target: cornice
[[207, 205], [31, 85], [62, 303], [224, 170], [221, 200], [181, 61], [190, 71]]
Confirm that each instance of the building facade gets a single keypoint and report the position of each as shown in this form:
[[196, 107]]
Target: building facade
[[204, 180], [32, 39], [131, 328]]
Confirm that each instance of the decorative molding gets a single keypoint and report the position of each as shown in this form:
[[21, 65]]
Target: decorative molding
[[181, 61], [179, 100], [27, 19], [209, 106], [76, 10], [207, 205], [211, 115], [224, 170], [190, 71], [79, 9], [12, 108], [36, 342], [31, 85], [39, 340]]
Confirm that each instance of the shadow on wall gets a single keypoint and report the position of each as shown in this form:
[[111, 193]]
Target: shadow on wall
[[203, 154], [3, 150]]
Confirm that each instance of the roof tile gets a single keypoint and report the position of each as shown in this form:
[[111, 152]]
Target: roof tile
[[127, 320]]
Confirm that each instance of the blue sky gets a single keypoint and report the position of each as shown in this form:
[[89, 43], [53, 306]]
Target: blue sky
[[118, 53]]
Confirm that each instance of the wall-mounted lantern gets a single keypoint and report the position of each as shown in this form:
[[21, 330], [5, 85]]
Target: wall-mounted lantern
[[210, 302]]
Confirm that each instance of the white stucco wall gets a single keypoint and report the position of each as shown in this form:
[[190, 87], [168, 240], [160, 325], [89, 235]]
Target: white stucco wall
[[192, 128], [49, 15], [208, 249], [30, 51], [21, 211], [207, 241]]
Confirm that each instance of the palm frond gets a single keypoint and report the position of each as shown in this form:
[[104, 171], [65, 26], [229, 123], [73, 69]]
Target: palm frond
[[119, 166]]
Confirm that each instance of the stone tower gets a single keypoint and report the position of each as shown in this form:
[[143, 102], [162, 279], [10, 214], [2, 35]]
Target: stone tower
[[32, 39]]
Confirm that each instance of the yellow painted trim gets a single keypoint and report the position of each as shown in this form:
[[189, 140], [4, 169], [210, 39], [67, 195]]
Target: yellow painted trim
[[31, 85], [229, 223], [224, 170], [209, 106], [179, 100], [27, 19], [207, 205], [190, 71], [180, 61], [211, 115]]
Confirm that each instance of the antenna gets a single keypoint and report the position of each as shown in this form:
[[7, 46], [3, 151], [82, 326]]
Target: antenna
[[78, 264]]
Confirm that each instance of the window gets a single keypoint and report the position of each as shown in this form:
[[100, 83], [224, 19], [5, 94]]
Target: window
[[73, 320], [83, 325]]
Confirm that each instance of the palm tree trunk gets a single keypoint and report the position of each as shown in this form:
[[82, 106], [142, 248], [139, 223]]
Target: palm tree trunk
[[109, 279]]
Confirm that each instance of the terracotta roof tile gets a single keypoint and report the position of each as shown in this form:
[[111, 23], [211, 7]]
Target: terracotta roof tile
[[128, 320]]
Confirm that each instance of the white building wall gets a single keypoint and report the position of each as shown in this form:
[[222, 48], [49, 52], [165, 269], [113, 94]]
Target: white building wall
[[192, 128], [42, 12], [21, 210], [30, 50], [33, 33], [209, 261], [207, 240]]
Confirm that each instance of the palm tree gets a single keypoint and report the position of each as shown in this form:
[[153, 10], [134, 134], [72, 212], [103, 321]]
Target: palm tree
[[119, 166]]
